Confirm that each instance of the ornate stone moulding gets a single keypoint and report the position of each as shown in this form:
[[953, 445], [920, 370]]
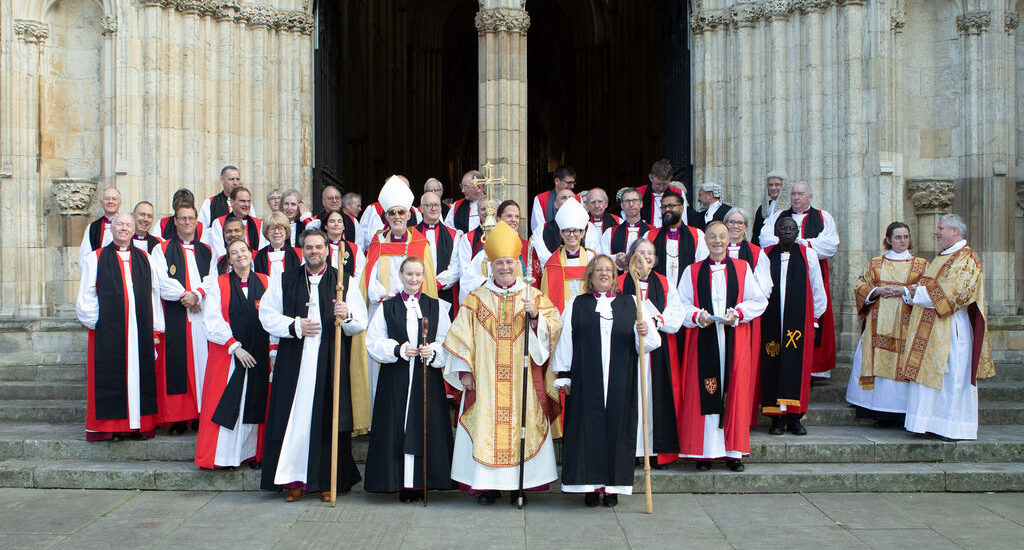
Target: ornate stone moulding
[[73, 195], [1011, 20], [1020, 199], [973, 22], [502, 20], [749, 14], [31, 31], [931, 195], [250, 14]]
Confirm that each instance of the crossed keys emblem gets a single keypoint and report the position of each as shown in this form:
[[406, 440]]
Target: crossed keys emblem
[[794, 337]]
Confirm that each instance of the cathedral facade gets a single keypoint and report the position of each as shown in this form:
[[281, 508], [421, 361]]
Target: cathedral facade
[[892, 110]]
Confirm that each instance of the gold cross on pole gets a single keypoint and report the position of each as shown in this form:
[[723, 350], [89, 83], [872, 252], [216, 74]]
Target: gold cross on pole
[[489, 181]]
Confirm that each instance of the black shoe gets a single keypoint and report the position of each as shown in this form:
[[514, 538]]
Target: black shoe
[[777, 426], [610, 500], [703, 465], [592, 500], [488, 497], [653, 460], [135, 436], [255, 465], [409, 495], [513, 498], [796, 428], [944, 438], [178, 428], [735, 465]]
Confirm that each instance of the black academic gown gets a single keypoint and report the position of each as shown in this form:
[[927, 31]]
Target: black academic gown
[[395, 435], [600, 437], [282, 392]]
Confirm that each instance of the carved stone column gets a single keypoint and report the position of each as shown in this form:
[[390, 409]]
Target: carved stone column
[[931, 197], [502, 26]]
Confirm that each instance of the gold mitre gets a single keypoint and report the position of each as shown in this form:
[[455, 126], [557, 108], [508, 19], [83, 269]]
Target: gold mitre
[[503, 242]]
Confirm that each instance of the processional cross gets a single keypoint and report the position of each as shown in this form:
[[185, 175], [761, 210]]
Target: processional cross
[[489, 181]]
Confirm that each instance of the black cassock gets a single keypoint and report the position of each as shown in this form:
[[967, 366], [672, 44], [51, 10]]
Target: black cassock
[[600, 437], [295, 296], [394, 435]]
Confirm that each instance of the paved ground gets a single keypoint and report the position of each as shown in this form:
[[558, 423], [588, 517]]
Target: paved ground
[[63, 518]]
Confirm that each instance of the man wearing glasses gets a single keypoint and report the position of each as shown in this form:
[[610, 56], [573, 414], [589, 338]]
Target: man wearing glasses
[[544, 204], [443, 242], [660, 178], [464, 215], [616, 240], [676, 245]]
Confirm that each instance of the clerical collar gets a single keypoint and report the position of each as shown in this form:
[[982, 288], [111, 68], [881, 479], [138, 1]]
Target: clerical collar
[[673, 232], [957, 246], [570, 254], [244, 282], [311, 274], [734, 245], [402, 239], [905, 255], [795, 213], [139, 237], [334, 243], [635, 224], [503, 287], [599, 219], [712, 261], [430, 225], [406, 297], [604, 294], [107, 220], [122, 249]]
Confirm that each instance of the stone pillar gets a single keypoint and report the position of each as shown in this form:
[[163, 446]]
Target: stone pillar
[[777, 14], [501, 26], [931, 197], [749, 187]]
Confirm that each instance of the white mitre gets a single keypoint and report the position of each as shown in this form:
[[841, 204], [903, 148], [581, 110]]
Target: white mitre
[[571, 215], [395, 193]]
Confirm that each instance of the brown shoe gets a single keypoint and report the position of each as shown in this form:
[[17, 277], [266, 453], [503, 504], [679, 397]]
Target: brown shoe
[[325, 496], [292, 495]]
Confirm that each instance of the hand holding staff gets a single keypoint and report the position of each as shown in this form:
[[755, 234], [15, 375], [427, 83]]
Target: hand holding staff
[[338, 321], [638, 269]]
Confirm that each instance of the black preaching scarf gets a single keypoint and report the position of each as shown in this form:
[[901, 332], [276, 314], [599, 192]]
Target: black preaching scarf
[[261, 262], [782, 346], [151, 242], [620, 232], [218, 206], [300, 226], [348, 263], [176, 315], [110, 360], [252, 231], [445, 247], [243, 316], [461, 218], [477, 240], [223, 265], [746, 254], [552, 236], [813, 224], [687, 251], [711, 383], [549, 210], [666, 438], [96, 233], [647, 210]]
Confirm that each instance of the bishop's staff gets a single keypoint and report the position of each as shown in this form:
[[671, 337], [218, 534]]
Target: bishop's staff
[[425, 326], [638, 269], [528, 279], [338, 321]]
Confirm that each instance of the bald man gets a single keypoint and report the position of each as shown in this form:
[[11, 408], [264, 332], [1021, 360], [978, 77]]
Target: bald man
[[596, 204], [98, 235]]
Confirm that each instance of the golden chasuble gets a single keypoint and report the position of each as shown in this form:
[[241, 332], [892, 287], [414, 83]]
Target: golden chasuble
[[953, 281], [489, 335], [883, 346]]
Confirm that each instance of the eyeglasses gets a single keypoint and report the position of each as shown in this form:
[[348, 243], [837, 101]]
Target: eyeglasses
[[572, 231], [431, 205], [570, 183], [630, 201], [185, 218], [672, 206], [394, 213], [736, 223], [275, 228]]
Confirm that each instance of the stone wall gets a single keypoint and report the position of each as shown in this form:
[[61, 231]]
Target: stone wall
[[892, 110], [147, 96]]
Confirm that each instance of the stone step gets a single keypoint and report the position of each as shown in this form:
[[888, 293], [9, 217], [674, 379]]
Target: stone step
[[61, 390], [1005, 372], [52, 411], [34, 441], [758, 478], [834, 391], [44, 373]]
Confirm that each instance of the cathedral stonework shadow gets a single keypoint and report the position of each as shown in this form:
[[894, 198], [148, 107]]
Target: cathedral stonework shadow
[[396, 91]]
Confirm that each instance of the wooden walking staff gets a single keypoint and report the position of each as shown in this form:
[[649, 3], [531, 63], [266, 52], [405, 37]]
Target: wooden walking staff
[[338, 321], [425, 325], [528, 279], [638, 270]]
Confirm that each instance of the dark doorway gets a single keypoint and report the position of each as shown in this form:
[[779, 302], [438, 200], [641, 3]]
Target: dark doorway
[[395, 92], [609, 90]]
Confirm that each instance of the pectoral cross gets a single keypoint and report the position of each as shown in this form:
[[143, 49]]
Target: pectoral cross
[[489, 181]]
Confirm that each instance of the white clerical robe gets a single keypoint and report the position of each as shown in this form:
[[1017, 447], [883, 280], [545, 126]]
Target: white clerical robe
[[214, 238], [751, 305], [667, 321], [951, 411], [381, 349], [632, 233], [763, 271], [293, 462], [171, 290], [562, 362], [825, 245], [537, 471], [86, 247], [673, 267], [87, 308], [887, 395], [451, 274]]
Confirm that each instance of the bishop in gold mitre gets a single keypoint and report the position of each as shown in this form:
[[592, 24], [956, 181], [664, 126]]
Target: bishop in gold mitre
[[486, 346]]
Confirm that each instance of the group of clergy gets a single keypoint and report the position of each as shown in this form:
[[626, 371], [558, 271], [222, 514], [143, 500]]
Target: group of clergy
[[407, 313]]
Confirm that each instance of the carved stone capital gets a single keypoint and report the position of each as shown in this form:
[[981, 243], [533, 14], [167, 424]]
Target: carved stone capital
[[257, 16], [898, 20], [776, 9], [930, 195], [747, 15], [502, 20], [108, 25], [813, 6], [1011, 20], [1020, 199], [73, 195], [31, 31], [973, 22]]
